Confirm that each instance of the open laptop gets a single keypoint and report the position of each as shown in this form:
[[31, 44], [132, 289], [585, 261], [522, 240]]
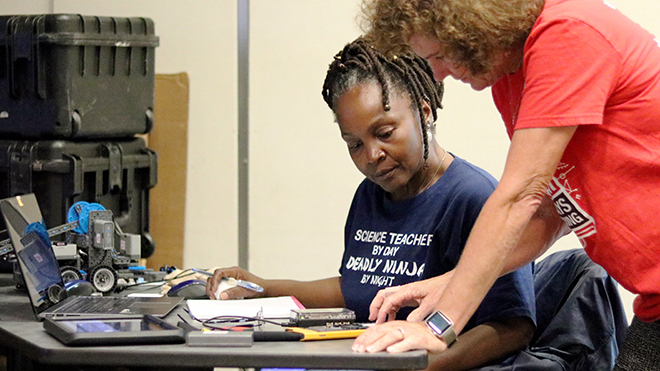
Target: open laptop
[[40, 270]]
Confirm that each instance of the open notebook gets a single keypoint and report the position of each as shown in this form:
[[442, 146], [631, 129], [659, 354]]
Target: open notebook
[[273, 308], [41, 271]]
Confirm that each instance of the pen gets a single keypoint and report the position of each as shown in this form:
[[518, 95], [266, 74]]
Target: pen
[[242, 283], [277, 336]]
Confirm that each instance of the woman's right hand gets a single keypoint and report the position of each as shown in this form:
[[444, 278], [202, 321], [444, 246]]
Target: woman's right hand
[[421, 294], [236, 291]]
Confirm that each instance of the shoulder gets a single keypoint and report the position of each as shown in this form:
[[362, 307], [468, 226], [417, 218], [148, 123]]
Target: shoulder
[[366, 196], [367, 189], [589, 11], [468, 180], [591, 19]]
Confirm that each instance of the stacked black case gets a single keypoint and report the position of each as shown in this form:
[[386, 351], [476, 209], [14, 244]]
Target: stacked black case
[[74, 76], [116, 174], [74, 92]]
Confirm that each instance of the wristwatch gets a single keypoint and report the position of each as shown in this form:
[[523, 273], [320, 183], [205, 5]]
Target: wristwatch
[[442, 327]]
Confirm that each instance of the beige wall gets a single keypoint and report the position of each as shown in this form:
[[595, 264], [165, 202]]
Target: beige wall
[[24, 7], [301, 178]]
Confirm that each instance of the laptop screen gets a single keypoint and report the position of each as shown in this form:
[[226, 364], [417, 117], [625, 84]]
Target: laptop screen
[[32, 247]]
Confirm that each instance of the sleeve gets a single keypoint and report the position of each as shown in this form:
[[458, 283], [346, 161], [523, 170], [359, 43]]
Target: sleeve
[[570, 71], [511, 296]]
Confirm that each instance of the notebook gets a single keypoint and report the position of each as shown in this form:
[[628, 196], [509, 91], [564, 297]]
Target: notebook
[[272, 307], [40, 270]]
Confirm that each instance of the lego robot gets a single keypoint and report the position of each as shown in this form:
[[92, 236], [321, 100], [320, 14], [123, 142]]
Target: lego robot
[[95, 249]]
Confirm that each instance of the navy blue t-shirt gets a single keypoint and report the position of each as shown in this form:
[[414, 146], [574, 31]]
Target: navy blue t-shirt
[[391, 243]]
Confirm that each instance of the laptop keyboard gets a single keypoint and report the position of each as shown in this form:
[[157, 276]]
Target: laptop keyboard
[[95, 305]]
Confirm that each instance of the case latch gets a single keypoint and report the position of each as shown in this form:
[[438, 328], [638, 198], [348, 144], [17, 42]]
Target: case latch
[[23, 56], [115, 172], [20, 168]]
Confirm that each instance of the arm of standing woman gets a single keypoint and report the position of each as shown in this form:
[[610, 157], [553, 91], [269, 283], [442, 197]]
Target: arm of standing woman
[[544, 228]]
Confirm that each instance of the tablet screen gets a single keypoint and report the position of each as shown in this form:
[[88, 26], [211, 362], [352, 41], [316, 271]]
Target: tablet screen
[[132, 325]]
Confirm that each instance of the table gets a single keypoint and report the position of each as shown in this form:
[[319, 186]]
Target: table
[[29, 347]]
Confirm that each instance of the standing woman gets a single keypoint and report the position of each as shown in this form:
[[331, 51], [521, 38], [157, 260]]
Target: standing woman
[[578, 87]]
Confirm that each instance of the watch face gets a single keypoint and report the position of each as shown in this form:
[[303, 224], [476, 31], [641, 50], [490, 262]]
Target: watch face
[[438, 322]]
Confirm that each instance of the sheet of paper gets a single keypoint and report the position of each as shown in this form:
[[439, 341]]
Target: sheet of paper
[[277, 307]]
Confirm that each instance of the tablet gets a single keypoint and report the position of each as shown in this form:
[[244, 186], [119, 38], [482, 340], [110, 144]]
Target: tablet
[[108, 331]]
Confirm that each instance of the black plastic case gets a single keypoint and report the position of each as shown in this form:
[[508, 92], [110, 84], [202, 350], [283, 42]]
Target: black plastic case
[[73, 76], [116, 174]]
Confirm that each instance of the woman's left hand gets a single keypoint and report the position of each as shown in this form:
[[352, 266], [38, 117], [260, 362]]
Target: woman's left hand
[[397, 337]]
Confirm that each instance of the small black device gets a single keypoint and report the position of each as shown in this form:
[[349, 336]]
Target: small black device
[[322, 317], [219, 339], [442, 327], [110, 331]]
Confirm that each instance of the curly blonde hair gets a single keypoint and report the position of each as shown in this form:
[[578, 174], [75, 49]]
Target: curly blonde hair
[[470, 31]]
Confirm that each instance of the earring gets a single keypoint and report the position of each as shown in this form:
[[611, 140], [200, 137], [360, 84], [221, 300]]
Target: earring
[[430, 127], [429, 130]]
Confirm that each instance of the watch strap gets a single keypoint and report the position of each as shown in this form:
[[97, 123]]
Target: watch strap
[[448, 335]]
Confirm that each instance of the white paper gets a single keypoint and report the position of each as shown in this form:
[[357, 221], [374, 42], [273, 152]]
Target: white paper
[[277, 307]]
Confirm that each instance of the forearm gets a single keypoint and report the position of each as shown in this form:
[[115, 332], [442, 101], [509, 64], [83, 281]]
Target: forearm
[[544, 228], [541, 232], [496, 232], [484, 344], [324, 293], [501, 226]]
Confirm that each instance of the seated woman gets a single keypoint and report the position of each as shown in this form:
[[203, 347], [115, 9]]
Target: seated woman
[[411, 216]]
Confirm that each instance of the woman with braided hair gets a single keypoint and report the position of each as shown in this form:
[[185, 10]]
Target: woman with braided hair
[[410, 217]]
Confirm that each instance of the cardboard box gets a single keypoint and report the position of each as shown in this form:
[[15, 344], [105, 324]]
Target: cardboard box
[[169, 138]]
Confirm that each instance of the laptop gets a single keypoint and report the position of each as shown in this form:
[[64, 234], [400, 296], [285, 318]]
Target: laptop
[[40, 270]]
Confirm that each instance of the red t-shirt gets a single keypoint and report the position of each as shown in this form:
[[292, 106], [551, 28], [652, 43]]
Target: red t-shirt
[[587, 64]]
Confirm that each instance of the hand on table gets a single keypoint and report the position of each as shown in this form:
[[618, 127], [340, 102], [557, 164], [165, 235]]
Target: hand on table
[[397, 337], [236, 291]]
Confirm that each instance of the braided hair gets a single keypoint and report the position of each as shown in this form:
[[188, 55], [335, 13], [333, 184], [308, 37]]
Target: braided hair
[[359, 63]]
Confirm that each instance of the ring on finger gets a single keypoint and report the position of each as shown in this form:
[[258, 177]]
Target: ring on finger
[[403, 334]]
